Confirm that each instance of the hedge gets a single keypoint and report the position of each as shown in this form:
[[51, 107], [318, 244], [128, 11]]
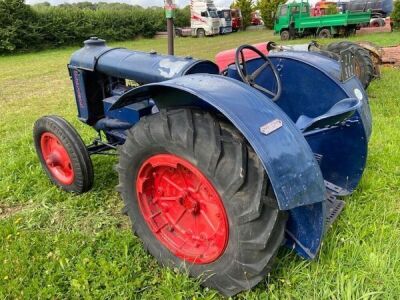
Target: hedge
[[23, 27]]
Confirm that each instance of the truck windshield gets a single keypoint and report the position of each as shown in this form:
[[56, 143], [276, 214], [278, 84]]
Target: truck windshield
[[224, 14], [296, 9], [212, 13], [283, 11]]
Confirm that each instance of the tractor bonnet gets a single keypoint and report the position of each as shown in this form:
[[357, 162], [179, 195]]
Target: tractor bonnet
[[139, 66]]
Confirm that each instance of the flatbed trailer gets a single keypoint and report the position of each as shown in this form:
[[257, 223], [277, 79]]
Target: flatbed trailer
[[294, 20]]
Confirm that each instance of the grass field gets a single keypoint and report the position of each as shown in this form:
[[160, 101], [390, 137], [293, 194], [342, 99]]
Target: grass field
[[56, 245]]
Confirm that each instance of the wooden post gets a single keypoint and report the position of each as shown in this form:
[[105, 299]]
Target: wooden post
[[170, 29], [170, 14]]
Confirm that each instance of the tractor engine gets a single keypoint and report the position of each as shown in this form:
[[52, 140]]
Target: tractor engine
[[101, 74]]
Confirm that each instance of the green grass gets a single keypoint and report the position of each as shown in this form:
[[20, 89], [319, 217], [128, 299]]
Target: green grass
[[56, 245]]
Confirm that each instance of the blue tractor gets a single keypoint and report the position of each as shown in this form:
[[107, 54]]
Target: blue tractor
[[217, 171]]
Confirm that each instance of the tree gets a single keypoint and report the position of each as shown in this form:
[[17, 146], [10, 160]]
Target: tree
[[395, 16], [268, 11], [246, 7], [42, 4], [182, 17]]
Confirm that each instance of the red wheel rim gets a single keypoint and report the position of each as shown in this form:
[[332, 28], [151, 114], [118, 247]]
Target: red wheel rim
[[182, 208], [56, 158]]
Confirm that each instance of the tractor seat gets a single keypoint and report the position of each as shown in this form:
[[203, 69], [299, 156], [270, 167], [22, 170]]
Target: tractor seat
[[338, 113]]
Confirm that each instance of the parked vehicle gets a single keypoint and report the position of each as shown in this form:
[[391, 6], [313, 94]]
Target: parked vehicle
[[225, 21], [379, 8], [256, 19], [216, 172], [204, 20], [236, 19], [294, 20], [322, 8]]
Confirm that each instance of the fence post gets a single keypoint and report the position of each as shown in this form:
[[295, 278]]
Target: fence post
[[170, 14]]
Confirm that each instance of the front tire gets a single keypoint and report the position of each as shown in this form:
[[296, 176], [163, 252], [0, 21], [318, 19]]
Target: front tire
[[201, 33], [324, 34], [164, 167], [285, 35], [63, 154]]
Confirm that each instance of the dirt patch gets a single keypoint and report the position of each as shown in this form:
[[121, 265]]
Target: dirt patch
[[391, 55], [7, 212]]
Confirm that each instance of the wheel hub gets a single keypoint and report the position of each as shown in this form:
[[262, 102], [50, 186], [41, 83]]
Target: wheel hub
[[57, 158], [182, 208]]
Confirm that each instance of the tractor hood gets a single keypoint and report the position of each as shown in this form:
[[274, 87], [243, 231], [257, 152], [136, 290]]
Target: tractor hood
[[139, 66]]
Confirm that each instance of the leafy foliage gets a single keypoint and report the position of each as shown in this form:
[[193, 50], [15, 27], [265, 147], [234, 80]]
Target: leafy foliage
[[18, 26], [396, 14], [23, 27], [268, 11], [182, 17], [246, 7]]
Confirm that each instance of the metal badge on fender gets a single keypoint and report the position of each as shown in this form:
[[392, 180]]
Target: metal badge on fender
[[271, 126]]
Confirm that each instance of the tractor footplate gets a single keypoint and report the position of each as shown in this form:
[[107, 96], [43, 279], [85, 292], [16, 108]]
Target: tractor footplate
[[334, 207], [335, 189]]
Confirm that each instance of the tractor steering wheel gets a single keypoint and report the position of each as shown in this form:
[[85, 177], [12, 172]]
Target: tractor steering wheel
[[250, 79]]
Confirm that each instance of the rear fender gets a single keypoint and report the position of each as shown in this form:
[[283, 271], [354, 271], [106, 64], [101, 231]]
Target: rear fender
[[284, 153], [287, 158]]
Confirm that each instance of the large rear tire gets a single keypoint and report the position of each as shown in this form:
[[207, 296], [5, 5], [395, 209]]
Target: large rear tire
[[162, 158], [364, 66]]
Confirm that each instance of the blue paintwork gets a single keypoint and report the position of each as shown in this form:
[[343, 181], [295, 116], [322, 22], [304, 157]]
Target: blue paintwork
[[312, 94], [141, 67], [311, 86], [78, 80], [305, 229], [130, 113]]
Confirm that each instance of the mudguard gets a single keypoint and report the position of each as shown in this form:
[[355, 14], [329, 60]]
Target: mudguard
[[283, 151]]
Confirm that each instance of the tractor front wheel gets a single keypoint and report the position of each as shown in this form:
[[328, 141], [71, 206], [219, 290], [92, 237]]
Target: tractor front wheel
[[199, 198], [63, 154]]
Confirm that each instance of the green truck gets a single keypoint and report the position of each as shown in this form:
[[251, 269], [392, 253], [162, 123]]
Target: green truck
[[294, 20]]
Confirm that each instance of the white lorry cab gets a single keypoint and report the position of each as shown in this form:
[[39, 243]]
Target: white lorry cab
[[225, 19], [204, 18]]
